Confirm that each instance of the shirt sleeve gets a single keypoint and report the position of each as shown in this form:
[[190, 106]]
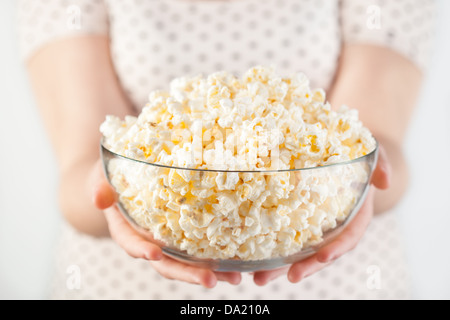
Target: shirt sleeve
[[405, 26], [43, 21]]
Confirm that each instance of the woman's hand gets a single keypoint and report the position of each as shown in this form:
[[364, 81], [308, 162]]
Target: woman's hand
[[137, 246], [345, 242]]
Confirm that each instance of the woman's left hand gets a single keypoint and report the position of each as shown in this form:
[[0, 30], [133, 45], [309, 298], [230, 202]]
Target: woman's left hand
[[344, 242]]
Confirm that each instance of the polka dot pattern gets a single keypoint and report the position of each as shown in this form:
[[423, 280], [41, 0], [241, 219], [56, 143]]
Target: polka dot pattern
[[154, 41], [41, 21], [108, 273], [211, 35], [405, 26], [171, 38]]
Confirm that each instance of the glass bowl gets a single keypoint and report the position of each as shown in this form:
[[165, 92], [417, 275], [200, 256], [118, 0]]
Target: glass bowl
[[238, 220]]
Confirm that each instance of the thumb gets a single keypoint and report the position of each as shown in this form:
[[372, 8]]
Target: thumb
[[382, 174], [103, 194]]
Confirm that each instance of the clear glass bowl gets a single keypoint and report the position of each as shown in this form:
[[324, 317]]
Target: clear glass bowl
[[274, 218]]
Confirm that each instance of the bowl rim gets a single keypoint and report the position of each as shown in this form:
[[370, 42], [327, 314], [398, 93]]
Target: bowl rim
[[373, 153]]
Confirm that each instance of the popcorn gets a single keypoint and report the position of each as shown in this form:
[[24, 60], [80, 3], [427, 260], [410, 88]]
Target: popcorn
[[237, 126]]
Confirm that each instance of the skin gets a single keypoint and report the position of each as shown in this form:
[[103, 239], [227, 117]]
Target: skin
[[74, 101]]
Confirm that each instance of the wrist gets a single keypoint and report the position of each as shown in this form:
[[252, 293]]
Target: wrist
[[75, 198], [399, 178]]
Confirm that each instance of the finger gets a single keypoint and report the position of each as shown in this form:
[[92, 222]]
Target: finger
[[172, 269], [230, 277], [104, 195], [381, 177], [127, 238], [303, 269], [261, 278], [351, 235]]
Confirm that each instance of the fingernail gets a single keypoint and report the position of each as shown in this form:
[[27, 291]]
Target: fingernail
[[263, 282], [388, 171], [210, 283], [386, 168], [236, 280], [293, 279], [156, 256]]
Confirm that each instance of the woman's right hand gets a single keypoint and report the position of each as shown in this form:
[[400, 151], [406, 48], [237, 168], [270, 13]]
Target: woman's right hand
[[137, 246]]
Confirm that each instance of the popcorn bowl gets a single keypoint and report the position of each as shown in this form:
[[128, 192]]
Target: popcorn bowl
[[238, 220]]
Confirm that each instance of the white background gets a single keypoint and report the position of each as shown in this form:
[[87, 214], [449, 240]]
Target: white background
[[29, 216]]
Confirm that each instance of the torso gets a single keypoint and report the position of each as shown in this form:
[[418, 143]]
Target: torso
[[154, 41]]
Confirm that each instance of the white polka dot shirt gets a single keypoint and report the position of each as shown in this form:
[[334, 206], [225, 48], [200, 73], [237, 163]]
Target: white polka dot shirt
[[154, 41]]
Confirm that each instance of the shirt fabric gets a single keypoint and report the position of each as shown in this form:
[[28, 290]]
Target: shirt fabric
[[153, 41]]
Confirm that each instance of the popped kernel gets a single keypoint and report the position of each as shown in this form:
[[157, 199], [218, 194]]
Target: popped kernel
[[258, 122]]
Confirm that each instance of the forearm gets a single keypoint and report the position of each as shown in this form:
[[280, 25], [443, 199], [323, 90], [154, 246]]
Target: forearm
[[76, 87], [80, 210], [383, 86]]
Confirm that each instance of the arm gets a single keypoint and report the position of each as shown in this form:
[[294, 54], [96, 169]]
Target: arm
[[75, 87], [383, 86]]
